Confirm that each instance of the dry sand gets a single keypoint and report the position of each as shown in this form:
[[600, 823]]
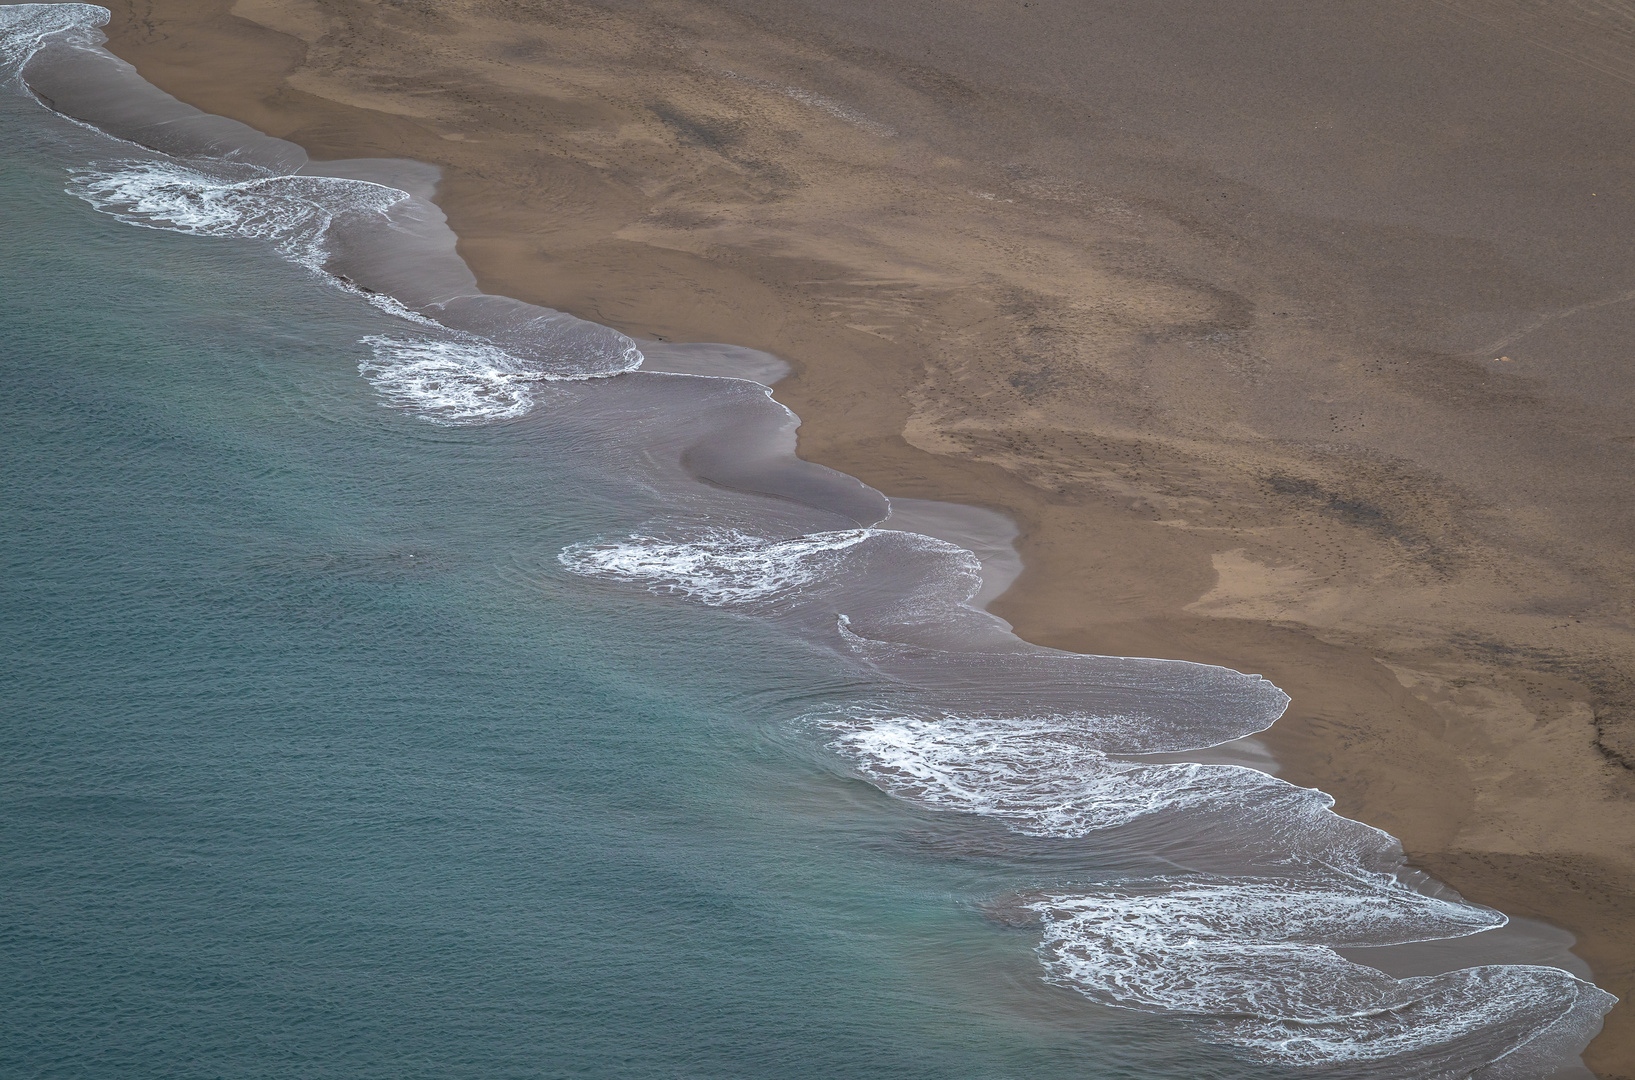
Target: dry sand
[[1296, 337]]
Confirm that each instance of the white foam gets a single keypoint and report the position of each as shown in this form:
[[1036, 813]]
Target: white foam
[[725, 567], [1252, 959], [1463, 1023], [292, 213], [1239, 947], [1345, 911], [449, 381], [24, 26], [1046, 776], [443, 375]]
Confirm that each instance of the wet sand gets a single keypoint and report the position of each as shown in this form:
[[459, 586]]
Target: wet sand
[[1294, 338]]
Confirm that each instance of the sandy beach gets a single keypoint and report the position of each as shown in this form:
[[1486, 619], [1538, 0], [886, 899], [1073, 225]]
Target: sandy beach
[[1294, 338]]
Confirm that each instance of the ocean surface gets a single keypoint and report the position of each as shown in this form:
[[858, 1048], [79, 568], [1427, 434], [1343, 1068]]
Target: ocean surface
[[401, 681]]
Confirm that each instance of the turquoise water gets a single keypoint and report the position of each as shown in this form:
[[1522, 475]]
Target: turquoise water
[[316, 763]]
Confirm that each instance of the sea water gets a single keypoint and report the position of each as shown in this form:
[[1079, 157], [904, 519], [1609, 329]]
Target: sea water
[[403, 681]]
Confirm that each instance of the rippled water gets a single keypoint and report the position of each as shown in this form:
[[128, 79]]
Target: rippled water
[[393, 692]]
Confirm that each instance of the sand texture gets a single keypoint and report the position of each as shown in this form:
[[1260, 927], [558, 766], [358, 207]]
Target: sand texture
[[1296, 337]]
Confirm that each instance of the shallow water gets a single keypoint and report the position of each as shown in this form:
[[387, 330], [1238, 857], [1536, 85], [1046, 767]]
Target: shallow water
[[385, 697]]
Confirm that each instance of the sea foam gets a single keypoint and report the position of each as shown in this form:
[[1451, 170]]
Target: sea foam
[[728, 567], [469, 355], [292, 213], [448, 381], [442, 374], [1250, 960], [24, 26]]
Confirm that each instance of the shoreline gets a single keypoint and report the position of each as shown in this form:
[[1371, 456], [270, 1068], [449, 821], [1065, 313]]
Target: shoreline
[[1367, 732]]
